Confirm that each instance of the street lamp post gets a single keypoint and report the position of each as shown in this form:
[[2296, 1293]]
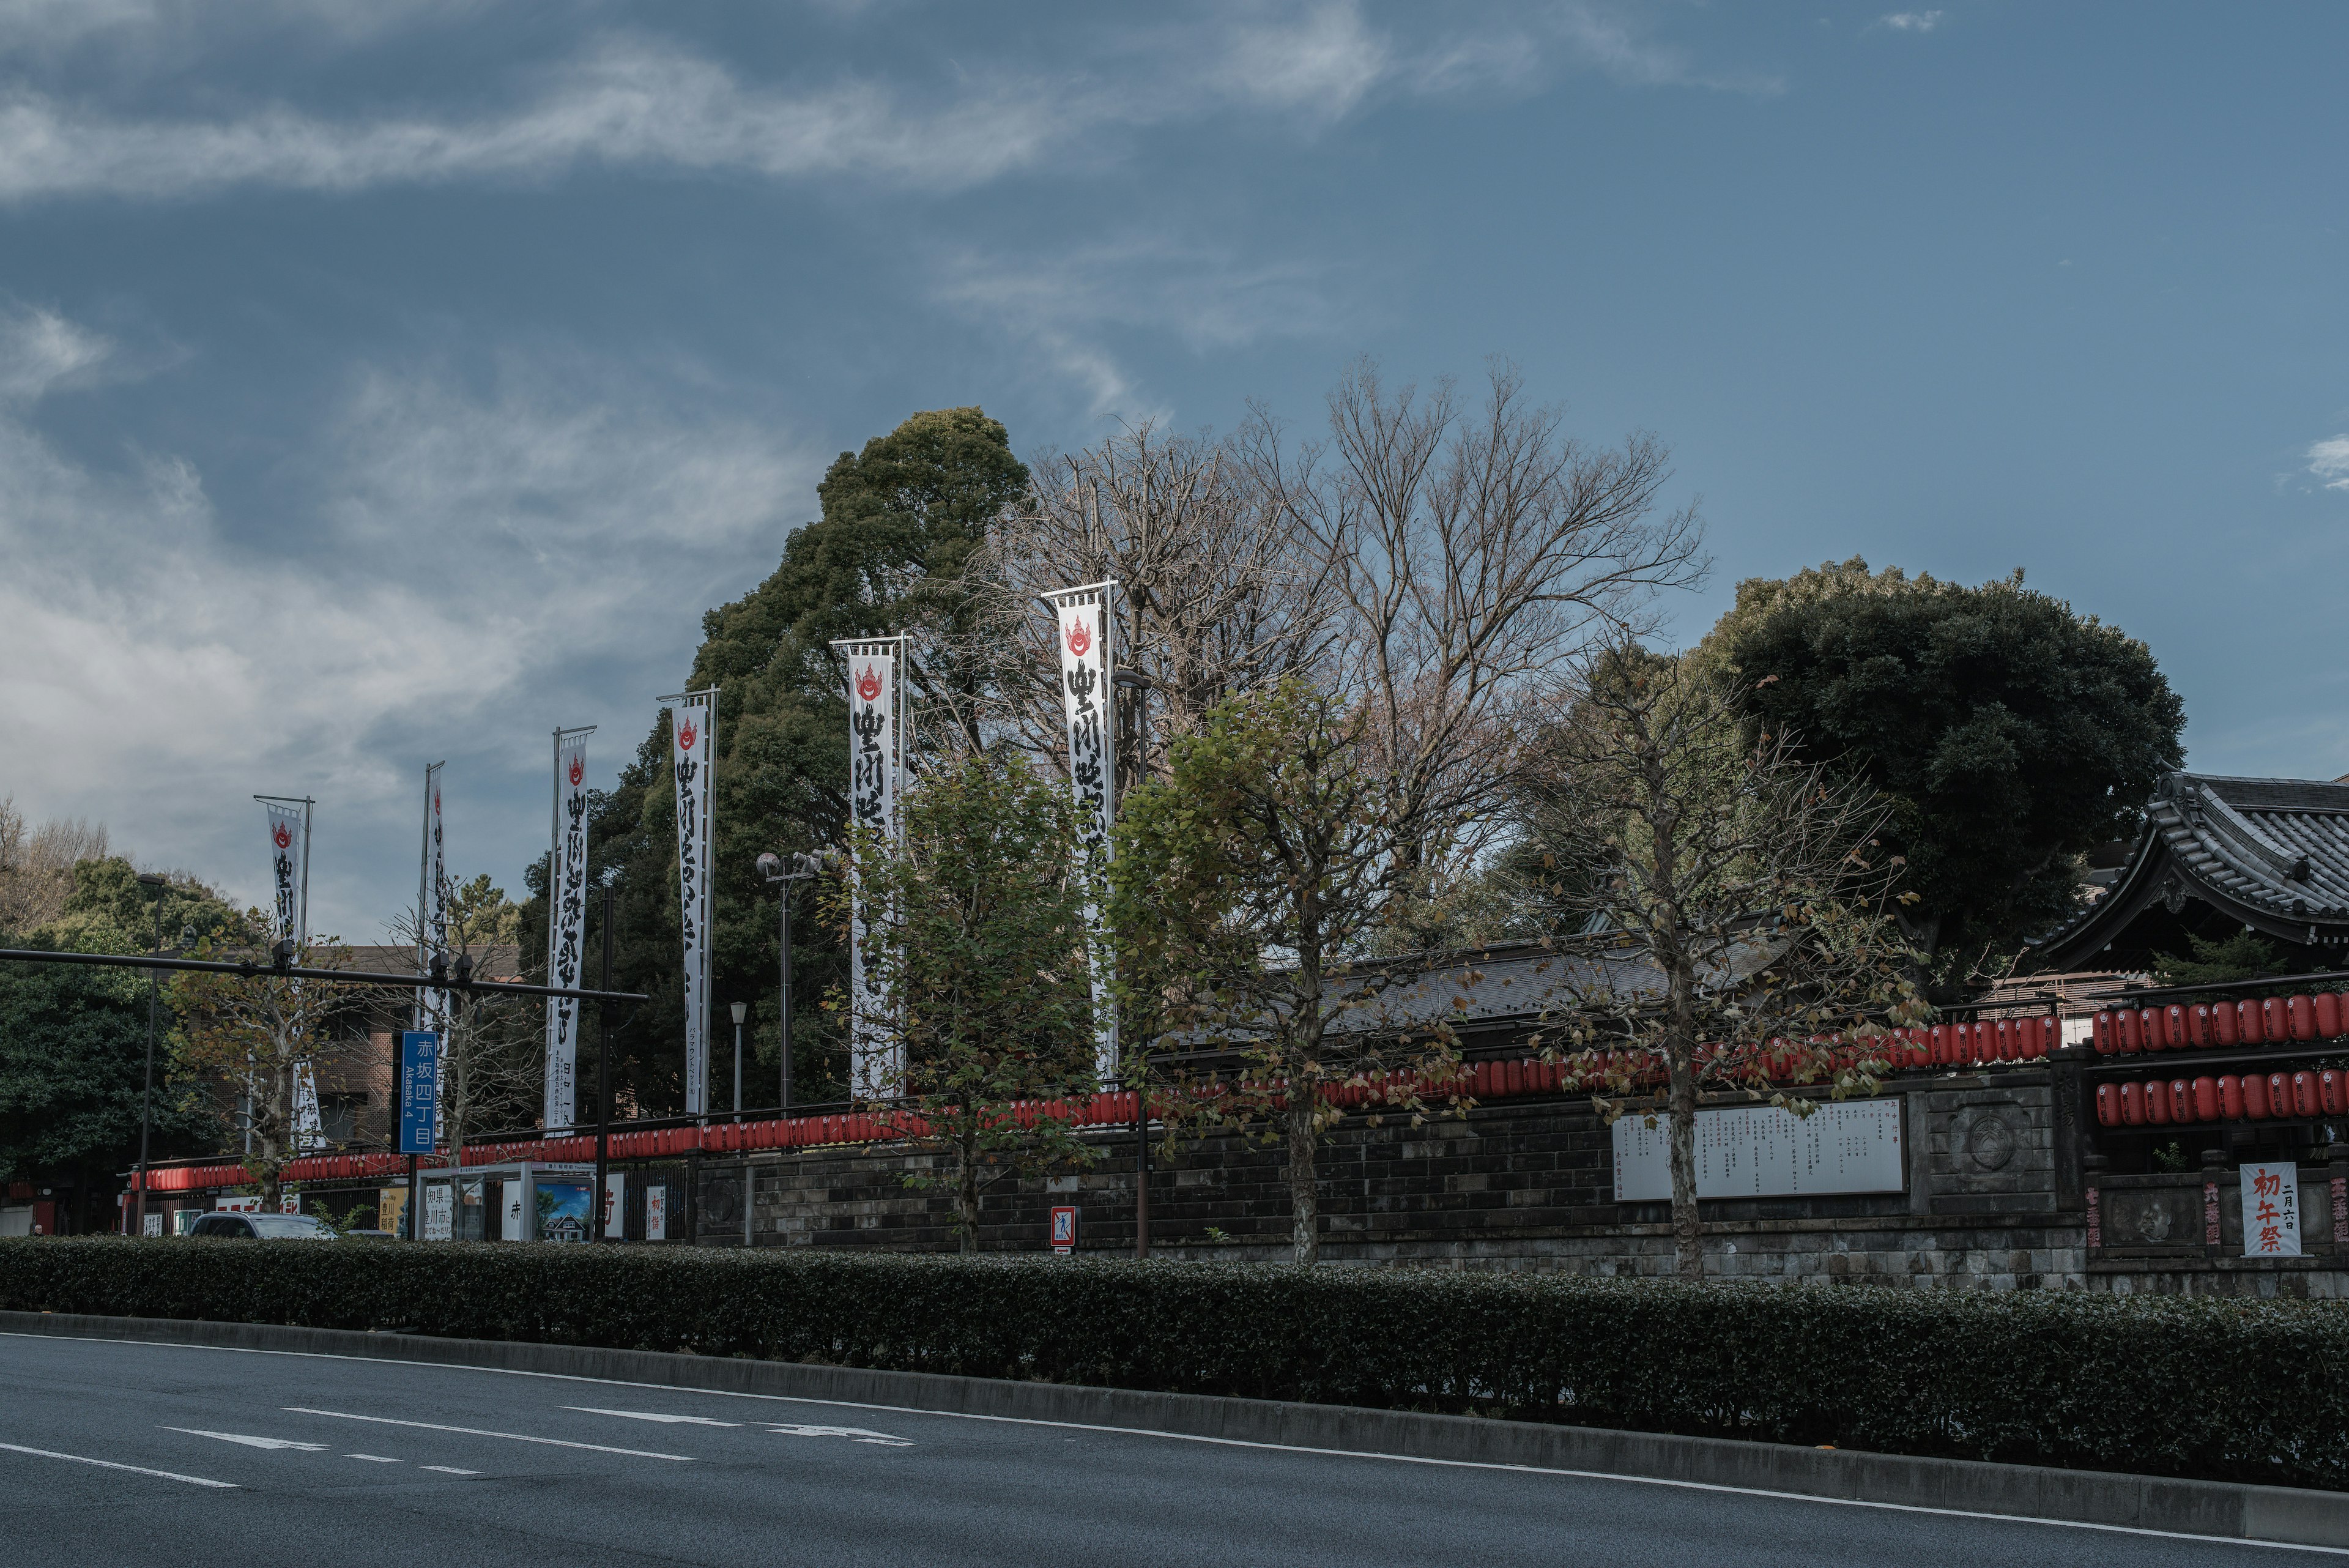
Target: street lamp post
[[1134, 681], [780, 873], [604, 1012], [156, 884]]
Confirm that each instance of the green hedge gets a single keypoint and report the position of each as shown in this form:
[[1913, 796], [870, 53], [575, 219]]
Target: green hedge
[[2219, 1390]]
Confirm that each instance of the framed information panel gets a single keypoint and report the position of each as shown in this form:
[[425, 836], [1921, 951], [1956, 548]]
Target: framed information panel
[[1761, 1151]]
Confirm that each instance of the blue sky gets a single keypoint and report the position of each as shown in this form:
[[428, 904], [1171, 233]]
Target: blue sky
[[387, 382]]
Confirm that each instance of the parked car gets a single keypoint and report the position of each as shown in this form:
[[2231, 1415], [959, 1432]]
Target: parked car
[[263, 1228]]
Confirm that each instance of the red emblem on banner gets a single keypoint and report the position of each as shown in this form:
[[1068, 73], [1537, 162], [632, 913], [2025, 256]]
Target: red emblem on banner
[[685, 736], [868, 685], [579, 771], [282, 835], [1080, 639]]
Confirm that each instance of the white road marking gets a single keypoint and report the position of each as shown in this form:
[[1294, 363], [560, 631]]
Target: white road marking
[[250, 1442], [484, 1432], [451, 1471], [653, 1415], [1179, 1437], [110, 1465], [372, 1458], [860, 1434]]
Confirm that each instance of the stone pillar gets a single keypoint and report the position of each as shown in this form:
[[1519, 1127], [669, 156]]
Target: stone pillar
[[2214, 1181], [2092, 1176]]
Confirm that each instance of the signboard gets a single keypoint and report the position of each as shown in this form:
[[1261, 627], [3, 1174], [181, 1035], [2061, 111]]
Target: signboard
[[439, 1211], [615, 1204], [657, 1213], [289, 1203], [1762, 1151], [238, 1205], [153, 1225], [419, 1078], [1064, 1230], [2271, 1210], [392, 1210], [509, 1219], [563, 1214]]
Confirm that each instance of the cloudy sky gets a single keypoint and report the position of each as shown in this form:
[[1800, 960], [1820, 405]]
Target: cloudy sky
[[388, 381]]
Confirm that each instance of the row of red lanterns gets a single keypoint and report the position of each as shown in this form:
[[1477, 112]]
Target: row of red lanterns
[[2252, 1096], [2272, 1019]]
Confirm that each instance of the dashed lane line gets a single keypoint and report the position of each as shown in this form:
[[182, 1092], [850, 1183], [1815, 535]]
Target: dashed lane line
[[110, 1465], [653, 1415], [451, 1471], [484, 1432], [373, 1459]]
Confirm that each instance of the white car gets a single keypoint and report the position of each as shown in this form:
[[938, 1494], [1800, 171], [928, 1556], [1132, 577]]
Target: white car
[[263, 1228]]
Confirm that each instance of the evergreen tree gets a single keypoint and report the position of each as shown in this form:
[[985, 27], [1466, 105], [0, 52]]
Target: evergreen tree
[[900, 523]]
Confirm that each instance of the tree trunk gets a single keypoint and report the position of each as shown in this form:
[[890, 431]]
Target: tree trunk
[[1688, 1250], [966, 1200], [1304, 1211]]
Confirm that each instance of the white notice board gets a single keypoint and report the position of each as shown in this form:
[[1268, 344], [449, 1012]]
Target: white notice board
[[1761, 1151]]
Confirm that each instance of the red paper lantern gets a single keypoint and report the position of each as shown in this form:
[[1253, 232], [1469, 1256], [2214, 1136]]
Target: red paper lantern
[[2300, 1016], [2307, 1098], [2108, 1106], [2198, 1025], [2248, 1028], [2108, 1034], [2226, 1026], [2156, 1103], [2332, 1092], [2231, 1098], [2256, 1104], [2280, 1095], [2181, 1101], [2173, 1026], [2326, 1005], [2132, 1105]]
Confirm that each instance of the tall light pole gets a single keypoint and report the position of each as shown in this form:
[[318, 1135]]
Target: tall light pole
[[1134, 681], [604, 1012], [780, 873], [155, 883]]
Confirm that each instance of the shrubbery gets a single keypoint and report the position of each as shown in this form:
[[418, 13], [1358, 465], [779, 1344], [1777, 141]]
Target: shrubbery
[[2208, 1388]]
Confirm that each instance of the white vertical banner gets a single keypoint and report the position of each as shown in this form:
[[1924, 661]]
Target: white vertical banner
[[2271, 1210], [876, 764], [693, 734], [1088, 698], [288, 844], [566, 924], [289, 856]]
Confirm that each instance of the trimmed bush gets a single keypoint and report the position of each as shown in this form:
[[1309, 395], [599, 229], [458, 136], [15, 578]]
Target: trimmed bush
[[2219, 1390]]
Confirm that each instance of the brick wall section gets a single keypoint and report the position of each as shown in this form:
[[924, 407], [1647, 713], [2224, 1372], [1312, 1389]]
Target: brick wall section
[[1514, 1185]]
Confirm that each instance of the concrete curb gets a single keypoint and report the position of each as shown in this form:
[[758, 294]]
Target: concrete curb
[[2224, 1508]]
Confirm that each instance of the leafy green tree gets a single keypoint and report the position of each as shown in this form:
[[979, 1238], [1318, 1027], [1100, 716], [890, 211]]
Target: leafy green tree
[[1244, 890], [2008, 733], [2242, 955], [901, 521], [1735, 900], [981, 958], [73, 1041]]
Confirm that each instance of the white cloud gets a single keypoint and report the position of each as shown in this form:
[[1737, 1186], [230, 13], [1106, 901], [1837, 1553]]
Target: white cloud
[[480, 569], [1323, 61], [631, 100], [628, 102], [40, 349], [1912, 21], [2329, 460], [1064, 308]]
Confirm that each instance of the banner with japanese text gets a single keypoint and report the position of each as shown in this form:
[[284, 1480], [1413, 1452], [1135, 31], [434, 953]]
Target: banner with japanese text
[[567, 927], [875, 765], [1084, 622], [693, 736]]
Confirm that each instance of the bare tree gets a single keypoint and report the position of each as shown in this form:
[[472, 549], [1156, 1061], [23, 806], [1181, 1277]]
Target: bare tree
[[492, 1047], [36, 866], [1472, 550], [259, 1031], [1735, 902], [1218, 595]]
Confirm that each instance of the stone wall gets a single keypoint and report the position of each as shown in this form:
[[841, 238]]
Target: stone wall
[[1516, 1185]]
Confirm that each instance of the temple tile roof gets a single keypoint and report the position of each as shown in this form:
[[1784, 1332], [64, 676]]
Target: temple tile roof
[[2271, 853]]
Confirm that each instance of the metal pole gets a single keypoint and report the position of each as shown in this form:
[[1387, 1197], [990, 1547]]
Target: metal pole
[[147, 1096], [738, 1069], [309, 826], [410, 1226], [785, 1040], [603, 1083], [1142, 1161]]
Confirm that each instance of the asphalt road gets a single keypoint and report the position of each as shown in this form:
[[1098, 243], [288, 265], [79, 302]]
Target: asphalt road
[[162, 1455]]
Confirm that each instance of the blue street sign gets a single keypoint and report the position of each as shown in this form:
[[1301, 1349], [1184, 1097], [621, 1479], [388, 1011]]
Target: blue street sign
[[419, 1075]]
